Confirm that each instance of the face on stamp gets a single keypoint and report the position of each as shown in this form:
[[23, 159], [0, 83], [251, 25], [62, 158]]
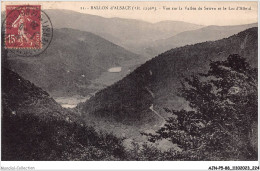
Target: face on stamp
[[23, 27]]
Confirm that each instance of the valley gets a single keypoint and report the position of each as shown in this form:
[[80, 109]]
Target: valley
[[64, 70], [114, 89], [137, 99]]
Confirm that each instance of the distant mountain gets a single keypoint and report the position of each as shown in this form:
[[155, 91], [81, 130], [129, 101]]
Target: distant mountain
[[209, 33], [72, 61], [139, 98], [34, 127], [128, 33]]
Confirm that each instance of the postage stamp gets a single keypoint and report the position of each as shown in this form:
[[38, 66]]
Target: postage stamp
[[28, 30], [23, 26]]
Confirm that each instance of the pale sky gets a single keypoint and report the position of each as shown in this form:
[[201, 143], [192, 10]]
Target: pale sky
[[204, 17]]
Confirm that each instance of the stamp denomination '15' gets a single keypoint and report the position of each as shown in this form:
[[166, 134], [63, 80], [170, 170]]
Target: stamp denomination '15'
[[23, 27]]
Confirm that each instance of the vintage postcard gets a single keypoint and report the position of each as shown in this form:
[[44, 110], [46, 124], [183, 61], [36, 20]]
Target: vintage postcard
[[171, 81]]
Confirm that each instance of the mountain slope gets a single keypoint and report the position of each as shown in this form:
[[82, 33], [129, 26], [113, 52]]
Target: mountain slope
[[19, 93], [210, 33], [73, 59], [153, 86], [35, 127], [128, 33]]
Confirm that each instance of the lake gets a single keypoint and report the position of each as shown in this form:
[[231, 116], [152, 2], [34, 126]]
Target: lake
[[115, 69], [70, 102]]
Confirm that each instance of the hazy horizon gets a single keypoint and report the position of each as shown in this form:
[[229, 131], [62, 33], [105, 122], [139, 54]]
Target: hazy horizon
[[203, 17]]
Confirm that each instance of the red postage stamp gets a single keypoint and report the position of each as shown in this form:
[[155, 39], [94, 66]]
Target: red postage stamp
[[23, 27]]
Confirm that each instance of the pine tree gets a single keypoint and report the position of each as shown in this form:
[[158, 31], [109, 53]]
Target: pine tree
[[224, 108]]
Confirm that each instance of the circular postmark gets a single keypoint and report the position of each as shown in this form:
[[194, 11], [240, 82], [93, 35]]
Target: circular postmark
[[28, 30]]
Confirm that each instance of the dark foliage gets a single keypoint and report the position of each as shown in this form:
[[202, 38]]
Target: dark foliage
[[28, 138], [35, 127], [221, 124]]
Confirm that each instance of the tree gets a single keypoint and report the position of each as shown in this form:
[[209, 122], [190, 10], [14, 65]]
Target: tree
[[224, 108]]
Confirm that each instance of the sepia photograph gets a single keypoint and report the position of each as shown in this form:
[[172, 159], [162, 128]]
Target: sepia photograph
[[129, 81]]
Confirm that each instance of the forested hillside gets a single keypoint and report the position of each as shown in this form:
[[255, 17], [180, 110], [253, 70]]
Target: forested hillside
[[153, 86], [36, 128]]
